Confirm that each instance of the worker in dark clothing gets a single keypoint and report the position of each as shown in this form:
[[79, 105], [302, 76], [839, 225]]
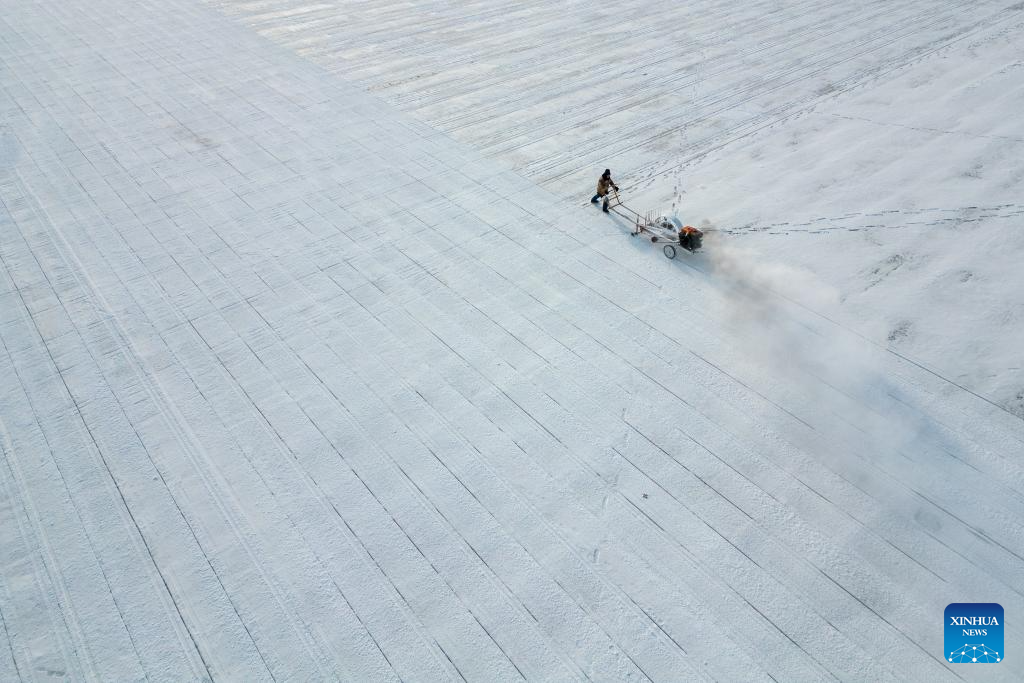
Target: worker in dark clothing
[[604, 184]]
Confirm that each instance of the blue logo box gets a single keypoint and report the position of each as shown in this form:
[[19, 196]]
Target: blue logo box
[[974, 633]]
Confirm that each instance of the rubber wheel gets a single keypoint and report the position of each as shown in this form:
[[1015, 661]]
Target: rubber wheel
[[670, 251]]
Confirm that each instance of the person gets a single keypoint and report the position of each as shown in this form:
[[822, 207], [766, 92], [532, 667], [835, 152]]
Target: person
[[603, 184]]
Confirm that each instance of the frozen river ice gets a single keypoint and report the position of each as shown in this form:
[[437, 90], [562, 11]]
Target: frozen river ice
[[296, 385]]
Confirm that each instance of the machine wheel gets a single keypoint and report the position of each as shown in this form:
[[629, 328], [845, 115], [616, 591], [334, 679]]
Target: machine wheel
[[670, 251]]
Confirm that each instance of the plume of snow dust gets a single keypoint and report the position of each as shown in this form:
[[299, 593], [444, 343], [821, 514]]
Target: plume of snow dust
[[860, 412]]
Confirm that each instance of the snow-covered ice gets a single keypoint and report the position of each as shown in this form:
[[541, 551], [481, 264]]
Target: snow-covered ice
[[317, 365], [876, 144]]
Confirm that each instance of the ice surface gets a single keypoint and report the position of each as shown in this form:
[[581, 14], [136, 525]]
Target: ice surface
[[874, 144], [297, 385]]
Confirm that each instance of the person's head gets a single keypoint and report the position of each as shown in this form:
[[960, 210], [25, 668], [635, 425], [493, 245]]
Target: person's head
[[607, 173]]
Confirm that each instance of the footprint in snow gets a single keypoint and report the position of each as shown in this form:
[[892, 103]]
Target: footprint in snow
[[900, 332]]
